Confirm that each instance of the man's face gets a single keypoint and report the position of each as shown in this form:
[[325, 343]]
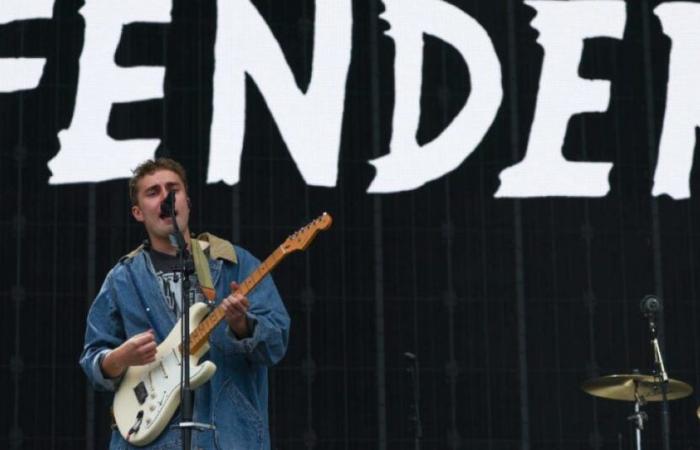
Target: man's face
[[152, 190]]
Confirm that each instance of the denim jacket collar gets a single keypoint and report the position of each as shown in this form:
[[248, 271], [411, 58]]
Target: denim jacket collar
[[218, 249]]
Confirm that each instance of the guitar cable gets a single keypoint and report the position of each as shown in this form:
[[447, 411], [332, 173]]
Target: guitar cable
[[136, 426]]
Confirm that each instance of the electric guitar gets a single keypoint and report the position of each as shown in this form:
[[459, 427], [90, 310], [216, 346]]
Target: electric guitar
[[149, 395]]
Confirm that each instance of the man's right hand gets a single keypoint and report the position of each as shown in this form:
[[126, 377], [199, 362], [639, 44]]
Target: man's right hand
[[138, 350]]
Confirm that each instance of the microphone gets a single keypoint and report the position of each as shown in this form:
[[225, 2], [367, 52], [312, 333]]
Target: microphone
[[167, 208], [650, 305]]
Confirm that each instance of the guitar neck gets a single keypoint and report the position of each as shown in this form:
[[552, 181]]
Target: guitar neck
[[201, 334]]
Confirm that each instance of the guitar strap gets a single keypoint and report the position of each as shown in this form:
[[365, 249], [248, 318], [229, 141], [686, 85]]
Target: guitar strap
[[201, 267]]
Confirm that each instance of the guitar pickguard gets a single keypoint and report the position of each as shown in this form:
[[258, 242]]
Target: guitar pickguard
[[149, 395]]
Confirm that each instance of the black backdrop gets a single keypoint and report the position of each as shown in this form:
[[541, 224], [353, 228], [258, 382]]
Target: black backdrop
[[509, 304]]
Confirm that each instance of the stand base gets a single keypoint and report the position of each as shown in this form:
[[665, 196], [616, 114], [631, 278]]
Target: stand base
[[196, 426]]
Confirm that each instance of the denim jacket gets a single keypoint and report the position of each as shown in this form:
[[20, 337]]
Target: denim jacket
[[235, 399]]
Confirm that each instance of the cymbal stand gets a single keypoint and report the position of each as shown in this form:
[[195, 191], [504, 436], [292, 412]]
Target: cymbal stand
[[638, 417]]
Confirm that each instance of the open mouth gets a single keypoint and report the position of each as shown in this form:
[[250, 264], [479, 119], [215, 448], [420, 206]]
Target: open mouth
[[166, 216]]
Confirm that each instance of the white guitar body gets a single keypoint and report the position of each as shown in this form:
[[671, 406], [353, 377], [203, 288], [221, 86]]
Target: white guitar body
[[149, 395]]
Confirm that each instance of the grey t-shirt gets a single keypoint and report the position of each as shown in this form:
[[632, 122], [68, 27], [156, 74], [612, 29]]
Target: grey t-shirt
[[167, 270]]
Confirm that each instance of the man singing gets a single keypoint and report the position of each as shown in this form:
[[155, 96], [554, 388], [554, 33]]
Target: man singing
[[140, 301]]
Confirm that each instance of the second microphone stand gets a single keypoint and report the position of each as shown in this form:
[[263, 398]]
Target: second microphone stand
[[662, 376], [415, 416]]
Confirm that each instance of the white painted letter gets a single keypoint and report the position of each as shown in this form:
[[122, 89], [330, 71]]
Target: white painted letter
[[87, 153], [409, 165], [544, 172], [22, 73], [310, 123], [679, 21]]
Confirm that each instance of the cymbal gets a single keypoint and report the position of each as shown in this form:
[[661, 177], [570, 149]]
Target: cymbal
[[624, 387]]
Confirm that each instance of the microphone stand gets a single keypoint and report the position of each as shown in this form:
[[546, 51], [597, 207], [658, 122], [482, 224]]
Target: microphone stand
[[661, 374], [415, 417], [186, 395]]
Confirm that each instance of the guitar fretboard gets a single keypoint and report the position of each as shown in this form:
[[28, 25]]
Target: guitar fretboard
[[201, 334]]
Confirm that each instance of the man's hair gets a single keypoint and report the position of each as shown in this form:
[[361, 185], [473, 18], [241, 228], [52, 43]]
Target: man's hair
[[149, 167]]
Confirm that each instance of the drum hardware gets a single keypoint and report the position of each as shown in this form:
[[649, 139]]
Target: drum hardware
[[638, 419], [651, 307], [637, 388]]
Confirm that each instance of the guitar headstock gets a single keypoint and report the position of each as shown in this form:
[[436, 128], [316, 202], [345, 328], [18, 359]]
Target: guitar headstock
[[303, 237]]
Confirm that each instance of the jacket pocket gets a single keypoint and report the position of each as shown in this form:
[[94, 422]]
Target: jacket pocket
[[170, 441], [239, 424]]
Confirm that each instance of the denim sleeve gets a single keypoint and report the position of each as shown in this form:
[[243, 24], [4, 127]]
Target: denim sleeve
[[267, 317], [104, 331]]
